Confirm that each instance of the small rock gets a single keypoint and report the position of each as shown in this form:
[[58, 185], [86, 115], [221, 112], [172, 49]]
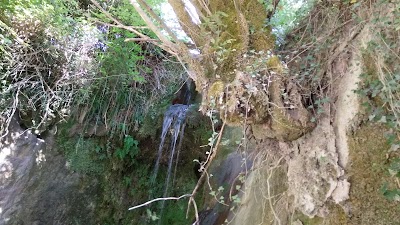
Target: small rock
[[341, 193], [297, 222]]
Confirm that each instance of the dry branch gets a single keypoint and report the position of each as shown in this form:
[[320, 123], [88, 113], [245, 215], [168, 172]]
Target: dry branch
[[159, 199], [118, 22], [185, 20], [140, 39], [159, 20], [203, 175], [166, 44]]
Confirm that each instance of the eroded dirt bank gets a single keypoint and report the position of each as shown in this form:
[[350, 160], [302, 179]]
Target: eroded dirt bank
[[334, 174]]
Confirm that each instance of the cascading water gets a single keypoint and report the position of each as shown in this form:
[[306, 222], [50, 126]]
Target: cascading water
[[174, 119], [174, 123]]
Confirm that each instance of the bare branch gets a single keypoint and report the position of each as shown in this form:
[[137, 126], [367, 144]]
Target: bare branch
[[196, 212], [203, 175], [271, 13], [271, 205], [185, 20], [119, 24], [198, 8], [204, 7], [166, 44], [158, 19], [159, 199], [140, 39], [9, 29]]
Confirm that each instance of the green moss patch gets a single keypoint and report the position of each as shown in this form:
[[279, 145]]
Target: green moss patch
[[368, 173]]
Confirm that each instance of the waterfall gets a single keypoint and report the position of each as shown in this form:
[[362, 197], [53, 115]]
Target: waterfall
[[174, 120], [173, 124]]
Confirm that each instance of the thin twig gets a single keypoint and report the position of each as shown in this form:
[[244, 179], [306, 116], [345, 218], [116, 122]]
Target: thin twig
[[166, 43], [203, 175], [159, 199], [205, 7], [159, 20], [141, 39], [389, 48], [196, 212], [120, 25], [271, 205], [211, 189], [17, 38]]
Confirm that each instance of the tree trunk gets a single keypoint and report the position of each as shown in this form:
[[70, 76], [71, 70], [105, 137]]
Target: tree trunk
[[237, 72]]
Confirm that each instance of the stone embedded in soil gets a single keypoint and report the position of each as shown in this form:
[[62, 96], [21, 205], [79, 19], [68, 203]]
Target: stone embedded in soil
[[341, 193]]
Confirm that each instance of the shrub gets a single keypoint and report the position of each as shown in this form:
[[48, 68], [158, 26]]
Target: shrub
[[46, 57]]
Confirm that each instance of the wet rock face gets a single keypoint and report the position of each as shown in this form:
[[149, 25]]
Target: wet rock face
[[36, 187], [226, 175]]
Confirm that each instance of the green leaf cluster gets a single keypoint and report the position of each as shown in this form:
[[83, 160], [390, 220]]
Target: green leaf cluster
[[122, 59], [380, 86], [80, 154], [130, 149], [288, 15]]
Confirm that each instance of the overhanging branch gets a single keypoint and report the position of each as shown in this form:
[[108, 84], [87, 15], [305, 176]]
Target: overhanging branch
[[275, 4], [159, 20], [119, 24], [166, 44], [185, 20]]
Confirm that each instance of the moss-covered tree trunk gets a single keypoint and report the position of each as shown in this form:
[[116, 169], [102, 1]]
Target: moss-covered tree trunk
[[236, 71]]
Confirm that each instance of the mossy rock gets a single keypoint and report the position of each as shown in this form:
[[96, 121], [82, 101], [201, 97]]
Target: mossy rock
[[275, 64], [262, 40]]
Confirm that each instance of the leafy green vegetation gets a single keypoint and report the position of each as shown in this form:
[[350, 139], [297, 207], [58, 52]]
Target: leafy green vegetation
[[130, 149], [41, 68], [81, 157], [288, 15], [135, 80], [83, 71], [70, 61], [380, 88], [371, 182]]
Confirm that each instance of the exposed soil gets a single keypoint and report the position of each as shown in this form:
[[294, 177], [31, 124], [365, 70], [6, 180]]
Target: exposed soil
[[335, 172]]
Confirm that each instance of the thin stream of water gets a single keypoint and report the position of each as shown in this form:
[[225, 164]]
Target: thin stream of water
[[173, 119], [174, 123]]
